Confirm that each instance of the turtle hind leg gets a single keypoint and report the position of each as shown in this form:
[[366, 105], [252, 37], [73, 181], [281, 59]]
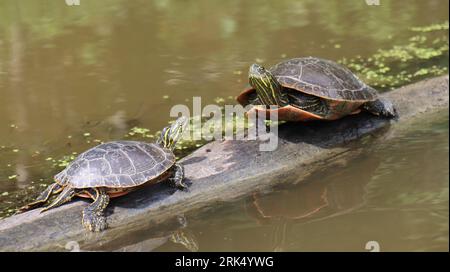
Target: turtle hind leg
[[94, 218], [381, 107], [177, 178], [53, 188], [65, 196]]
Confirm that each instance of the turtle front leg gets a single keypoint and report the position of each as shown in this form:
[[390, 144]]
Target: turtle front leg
[[177, 177], [53, 188], [94, 218], [381, 107]]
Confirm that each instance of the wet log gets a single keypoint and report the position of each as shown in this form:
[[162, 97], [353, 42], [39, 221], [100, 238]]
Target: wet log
[[221, 171]]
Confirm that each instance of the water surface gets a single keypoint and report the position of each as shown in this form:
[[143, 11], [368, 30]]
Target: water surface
[[395, 193]]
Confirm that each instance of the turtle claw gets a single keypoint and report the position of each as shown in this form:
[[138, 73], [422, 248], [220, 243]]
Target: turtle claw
[[179, 184], [177, 178], [94, 222], [183, 187], [22, 209], [25, 208]]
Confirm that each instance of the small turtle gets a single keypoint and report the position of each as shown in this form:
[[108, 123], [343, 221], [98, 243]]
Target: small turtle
[[311, 89], [114, 169]]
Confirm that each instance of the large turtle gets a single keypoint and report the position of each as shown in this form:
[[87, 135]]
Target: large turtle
[[311, 89], [113, 169]]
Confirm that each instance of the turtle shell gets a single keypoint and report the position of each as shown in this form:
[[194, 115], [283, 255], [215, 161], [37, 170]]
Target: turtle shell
[[322, 78], [119, 164]]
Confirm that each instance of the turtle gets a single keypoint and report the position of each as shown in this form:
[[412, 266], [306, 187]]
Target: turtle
[[114, 169], [304, 89]]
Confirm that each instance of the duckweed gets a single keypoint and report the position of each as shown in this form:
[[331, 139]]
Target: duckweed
[[64, 161], [219, 100], [397, 66], [143, 132], [430, 28]]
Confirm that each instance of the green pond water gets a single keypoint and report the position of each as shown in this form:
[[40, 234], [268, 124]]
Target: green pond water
[[73, 76]]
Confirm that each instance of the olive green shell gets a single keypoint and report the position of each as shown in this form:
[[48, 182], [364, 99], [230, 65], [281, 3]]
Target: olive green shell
[[119, 164], [322, 78]]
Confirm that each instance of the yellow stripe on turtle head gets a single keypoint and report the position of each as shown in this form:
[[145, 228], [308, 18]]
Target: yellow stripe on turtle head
[[171, 135]]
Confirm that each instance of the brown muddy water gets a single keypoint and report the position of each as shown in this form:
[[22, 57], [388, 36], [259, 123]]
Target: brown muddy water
[[395, 193], [71, 77]]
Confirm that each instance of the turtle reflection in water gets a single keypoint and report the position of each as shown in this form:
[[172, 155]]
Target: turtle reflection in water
[[288, 213], [114, 169], [182, 236], [306, 89]]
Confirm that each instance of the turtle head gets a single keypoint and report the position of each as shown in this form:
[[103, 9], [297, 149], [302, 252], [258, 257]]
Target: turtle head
[[267, 87], [171, 134]]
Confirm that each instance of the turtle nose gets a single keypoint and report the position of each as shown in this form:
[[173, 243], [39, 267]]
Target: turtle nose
[[256, 69], [182, 121]]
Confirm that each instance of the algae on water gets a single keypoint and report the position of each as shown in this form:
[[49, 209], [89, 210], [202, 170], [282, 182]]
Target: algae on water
[[424, 54]]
